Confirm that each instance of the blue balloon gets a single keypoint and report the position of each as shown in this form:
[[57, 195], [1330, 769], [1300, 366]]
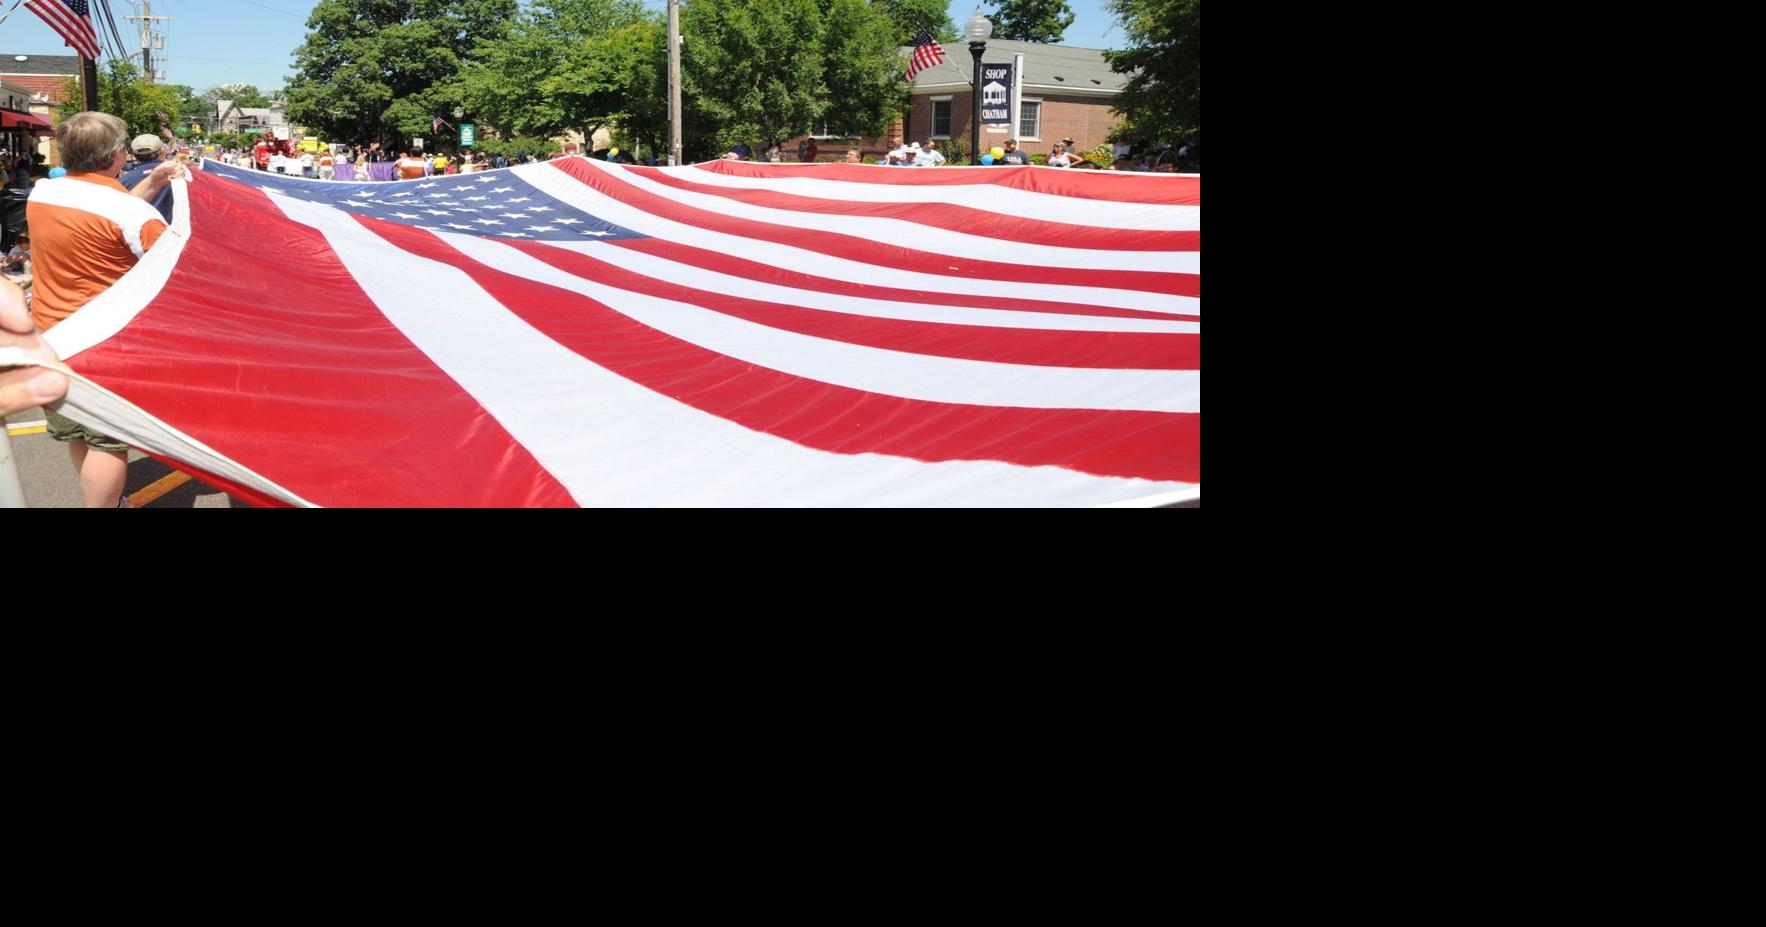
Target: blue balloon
[[987, 159], [57, 172]]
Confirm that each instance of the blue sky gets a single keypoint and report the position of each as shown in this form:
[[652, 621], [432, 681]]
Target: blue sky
[[211, 42]]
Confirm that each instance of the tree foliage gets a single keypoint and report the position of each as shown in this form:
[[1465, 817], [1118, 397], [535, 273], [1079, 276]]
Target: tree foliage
[[754, 70], [862, 67], [1043, 21], [570, 65], [123, 94], [751, 69], [378, 70], [243, 94], [1163, 99], [910, 16]]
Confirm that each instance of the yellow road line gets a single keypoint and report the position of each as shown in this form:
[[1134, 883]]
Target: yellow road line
[[27, 430], [160, 487]]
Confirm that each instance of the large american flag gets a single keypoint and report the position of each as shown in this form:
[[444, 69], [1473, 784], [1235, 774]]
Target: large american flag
[[72, 20], [577, 332], [927, 53]]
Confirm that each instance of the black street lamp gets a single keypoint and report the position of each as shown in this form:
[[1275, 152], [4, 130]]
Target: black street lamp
[[977, 30]]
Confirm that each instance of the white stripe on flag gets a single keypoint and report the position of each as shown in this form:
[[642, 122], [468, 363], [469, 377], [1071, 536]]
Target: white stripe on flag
[[688, 275], [555, 183], [1009, 201], [872, 370], [920, 237]]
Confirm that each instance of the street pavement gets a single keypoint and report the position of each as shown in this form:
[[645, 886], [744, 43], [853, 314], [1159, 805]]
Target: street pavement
[[51, 483]]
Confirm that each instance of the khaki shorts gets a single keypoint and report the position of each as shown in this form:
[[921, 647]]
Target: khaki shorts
[[65, 429]]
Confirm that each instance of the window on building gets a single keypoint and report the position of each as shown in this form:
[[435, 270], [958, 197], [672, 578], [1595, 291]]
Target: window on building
[[1029, 116], [941, 119], [826, 129]]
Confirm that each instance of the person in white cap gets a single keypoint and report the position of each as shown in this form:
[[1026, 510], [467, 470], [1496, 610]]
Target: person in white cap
[[147, 149]]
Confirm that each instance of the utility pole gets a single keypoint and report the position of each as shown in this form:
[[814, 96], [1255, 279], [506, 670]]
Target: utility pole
[[674, 82], [150, 40]]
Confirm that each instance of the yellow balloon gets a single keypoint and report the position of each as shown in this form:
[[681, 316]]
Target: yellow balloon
[[613, 151], [997, 152]]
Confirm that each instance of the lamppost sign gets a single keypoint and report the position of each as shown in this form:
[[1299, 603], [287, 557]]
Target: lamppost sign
[[996, 94], [468, 135]]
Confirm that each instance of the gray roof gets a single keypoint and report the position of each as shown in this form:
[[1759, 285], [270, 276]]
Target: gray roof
[[54, 65], [1049, 68]]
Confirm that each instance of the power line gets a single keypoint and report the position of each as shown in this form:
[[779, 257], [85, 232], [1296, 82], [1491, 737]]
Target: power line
[[110, 21], [270, 8], [99, 32], [110, 26], [227, 60]]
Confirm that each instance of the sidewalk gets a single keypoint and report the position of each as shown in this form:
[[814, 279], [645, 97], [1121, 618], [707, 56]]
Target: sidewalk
[[51, 483]]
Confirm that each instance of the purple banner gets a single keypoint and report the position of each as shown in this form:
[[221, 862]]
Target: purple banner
[[378, 170]]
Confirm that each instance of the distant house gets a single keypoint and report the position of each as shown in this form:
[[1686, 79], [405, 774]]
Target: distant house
[[231, 118], [1068, 93], [35, 84]]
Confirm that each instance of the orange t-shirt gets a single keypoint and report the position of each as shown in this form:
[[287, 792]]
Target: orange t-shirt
[[86, 232]]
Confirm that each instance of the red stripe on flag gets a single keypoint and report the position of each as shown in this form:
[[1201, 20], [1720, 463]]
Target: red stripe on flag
[[1109, 186], [957, 218], [1108, 350], [767, 273], [307, 379], [854, 248], [1147, 445]]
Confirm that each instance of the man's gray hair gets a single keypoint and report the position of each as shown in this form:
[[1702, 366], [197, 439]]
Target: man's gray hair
[[89, 141]]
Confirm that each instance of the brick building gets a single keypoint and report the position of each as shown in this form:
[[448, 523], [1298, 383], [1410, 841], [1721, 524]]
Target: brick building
[[1067, 92], [44, 78]]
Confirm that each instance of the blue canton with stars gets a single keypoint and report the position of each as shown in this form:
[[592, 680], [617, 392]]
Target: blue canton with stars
[[492, 204]]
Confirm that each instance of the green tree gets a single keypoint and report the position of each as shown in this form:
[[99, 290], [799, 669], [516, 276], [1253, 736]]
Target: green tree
[[571, 65], [862, 67], [243, 94], [378, 70], [910, 16], [752, 70], [1163, 98], [1043, 21], [146, 107], [757, 70]]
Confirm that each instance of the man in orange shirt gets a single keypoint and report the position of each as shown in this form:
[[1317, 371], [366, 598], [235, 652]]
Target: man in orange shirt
[[410, 168], [88, 231]]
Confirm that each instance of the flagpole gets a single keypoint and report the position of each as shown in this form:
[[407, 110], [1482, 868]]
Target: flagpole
[[89, 77], [674, 82]]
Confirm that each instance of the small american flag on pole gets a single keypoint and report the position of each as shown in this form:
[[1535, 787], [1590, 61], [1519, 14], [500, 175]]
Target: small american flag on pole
[[72, 20], [926, 54]]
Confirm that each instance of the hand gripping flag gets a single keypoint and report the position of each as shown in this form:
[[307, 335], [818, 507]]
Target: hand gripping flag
[[579, 332], [72, 20], [926, 54]]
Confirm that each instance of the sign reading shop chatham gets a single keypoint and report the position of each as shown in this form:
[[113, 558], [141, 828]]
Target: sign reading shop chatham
[[996, 93]]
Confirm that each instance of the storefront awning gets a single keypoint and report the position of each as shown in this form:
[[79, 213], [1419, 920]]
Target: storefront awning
[[11, 119], [31, 122]]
